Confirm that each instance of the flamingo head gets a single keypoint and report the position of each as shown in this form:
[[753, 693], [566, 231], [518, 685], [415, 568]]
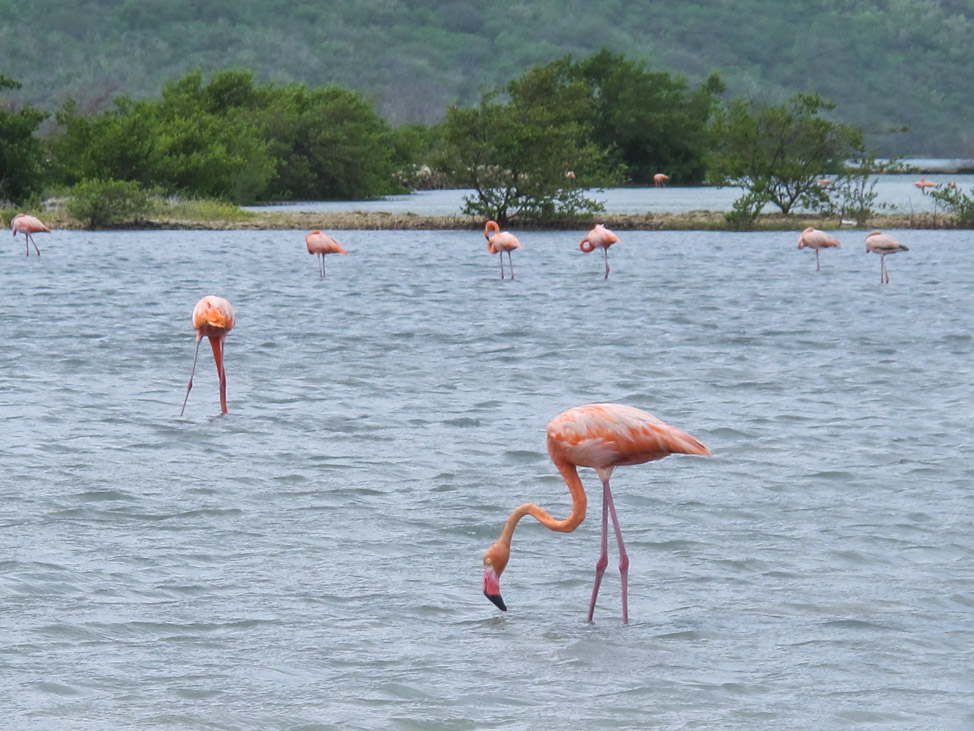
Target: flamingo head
[[494, 562]]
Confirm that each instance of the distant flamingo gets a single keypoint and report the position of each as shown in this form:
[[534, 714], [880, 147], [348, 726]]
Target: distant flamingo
[[659, 180], [882, 244], [27, 225], [500, 241], [815, 239], [212, 317], [599, 238], [321, 244], [824, 182], [602, 436], [923, 184]]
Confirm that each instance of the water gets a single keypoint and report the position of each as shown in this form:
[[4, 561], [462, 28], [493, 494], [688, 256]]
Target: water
[[895, 194], [313, 559]]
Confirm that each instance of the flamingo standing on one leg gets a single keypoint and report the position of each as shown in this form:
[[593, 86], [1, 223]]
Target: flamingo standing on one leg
[[27, 225], [321, 244], [883, 244], [815, 239], [599, 238], [659, 180], [500, 241], [214, 318], [602, 436]]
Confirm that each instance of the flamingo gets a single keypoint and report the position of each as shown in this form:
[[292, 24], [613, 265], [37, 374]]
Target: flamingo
[[659, 180], [923, 184], [602, 436], [599, 238], [321, 244], [883, 244], [214, 318], [27, 225], [815, 239], [500, 241]]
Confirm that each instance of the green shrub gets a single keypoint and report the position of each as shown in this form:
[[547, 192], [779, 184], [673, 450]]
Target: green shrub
[[101, 203], [957, 202]]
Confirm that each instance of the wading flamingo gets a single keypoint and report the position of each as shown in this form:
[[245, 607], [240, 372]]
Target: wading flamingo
[[212, 317], [659, 180], [815, 239], [923, 184], [599, 238], [500, 241], [602, 436], [27, 225], [882, 244], [321, 244]]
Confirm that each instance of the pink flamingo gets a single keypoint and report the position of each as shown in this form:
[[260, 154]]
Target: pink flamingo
[[603, 436], [883, 244], [500, 241], [815, 239], [659, 180], [321, 244], [923, 184], [214, 318], [599, 238], [27, 225]]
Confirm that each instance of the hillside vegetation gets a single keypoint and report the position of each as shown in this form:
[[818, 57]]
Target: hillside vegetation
[[885, 63]]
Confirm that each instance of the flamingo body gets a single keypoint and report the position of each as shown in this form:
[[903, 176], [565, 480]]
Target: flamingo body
[[883, 244], [659, 180], [500, 241], [601, 436], [27, 225], [923, 184], [812, 238], [320, 244], [599, 238], [213, 317]]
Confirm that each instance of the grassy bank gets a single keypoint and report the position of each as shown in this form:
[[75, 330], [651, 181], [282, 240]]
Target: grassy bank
[[231, 219]]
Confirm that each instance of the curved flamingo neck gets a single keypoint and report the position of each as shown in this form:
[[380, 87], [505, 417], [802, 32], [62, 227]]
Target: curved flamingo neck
[[567, 525]]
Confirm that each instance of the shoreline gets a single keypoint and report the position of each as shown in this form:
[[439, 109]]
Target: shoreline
[[382, 221]]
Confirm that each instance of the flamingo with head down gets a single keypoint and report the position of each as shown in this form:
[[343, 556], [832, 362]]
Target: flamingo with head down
[[27, 225], [213, 317], [321, 244], [602, 436], [659, 180]]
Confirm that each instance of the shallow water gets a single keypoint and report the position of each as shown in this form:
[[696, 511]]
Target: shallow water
[[895, 194], [313, 559]]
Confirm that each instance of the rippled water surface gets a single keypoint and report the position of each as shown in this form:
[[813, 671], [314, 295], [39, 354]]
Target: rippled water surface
[[313, 559]]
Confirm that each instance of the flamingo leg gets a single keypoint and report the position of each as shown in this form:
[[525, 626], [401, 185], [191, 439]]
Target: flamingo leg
[[189, 386], [321, 265], [502, 265], [511, 262], [818, 266], [35, 246], [603, 554], [605, 253], [623, 556], [216, 342]]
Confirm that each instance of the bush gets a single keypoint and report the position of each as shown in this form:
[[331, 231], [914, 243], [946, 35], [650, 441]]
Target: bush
[[101, 203], [957, 202]]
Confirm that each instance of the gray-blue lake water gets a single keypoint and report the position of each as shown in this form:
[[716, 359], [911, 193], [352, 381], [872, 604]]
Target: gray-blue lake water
[[894, 194], [313, 559]]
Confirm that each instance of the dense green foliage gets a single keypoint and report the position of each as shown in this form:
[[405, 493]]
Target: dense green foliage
[[108, 203], [955, 201], [885, 63], [21, 156], [233, 140], [779, 153]]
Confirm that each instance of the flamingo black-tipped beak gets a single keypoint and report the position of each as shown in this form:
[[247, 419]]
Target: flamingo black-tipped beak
[[497, 600], [492, 588]]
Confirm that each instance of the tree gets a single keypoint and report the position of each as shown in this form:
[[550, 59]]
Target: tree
[[21, 156], [650, 121], [779, 153], [530, 157]]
